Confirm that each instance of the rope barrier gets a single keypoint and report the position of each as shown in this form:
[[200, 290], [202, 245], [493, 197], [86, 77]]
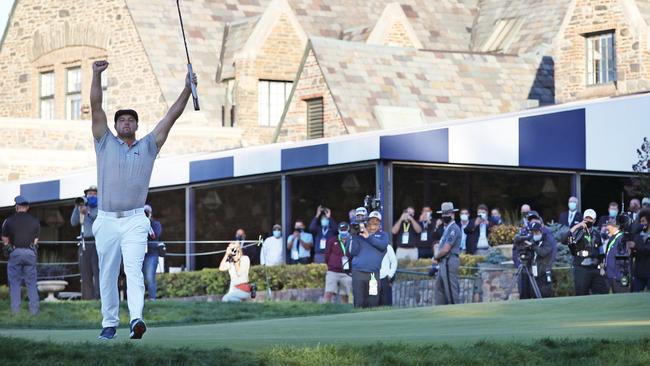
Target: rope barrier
[[51, 264], [57, 242], [58, 277]]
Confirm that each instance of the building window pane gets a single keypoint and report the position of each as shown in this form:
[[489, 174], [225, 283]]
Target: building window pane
[[601, 59], [47, 95], [272, 97], [73, 93]]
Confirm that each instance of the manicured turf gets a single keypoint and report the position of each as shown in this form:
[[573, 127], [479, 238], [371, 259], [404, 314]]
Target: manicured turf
[[612, 317], [86, 314]]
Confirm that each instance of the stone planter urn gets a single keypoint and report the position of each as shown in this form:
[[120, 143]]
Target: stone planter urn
[[506, 250], [51, 287]]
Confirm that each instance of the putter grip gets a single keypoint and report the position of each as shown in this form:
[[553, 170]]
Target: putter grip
[[195, 97]]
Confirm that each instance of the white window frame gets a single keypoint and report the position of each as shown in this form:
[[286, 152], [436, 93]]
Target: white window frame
[[272, 98], [73, 93], [600, 57], [46, 95]]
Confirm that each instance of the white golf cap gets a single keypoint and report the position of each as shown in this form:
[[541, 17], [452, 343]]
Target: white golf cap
[[374, 214], [590, 213], [361, 211], [148, 208]]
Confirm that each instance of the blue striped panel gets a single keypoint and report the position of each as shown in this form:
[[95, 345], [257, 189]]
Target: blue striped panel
[[554, 140], [41, 191], [428, 146], [304, 157], [211, 169]]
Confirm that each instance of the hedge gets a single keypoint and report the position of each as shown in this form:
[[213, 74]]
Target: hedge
[[211, 281]]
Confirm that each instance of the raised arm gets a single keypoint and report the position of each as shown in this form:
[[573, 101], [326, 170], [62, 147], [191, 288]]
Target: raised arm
[[165, 125], [100, 125]]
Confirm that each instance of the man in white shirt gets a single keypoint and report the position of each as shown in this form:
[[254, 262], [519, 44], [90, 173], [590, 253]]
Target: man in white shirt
[[272, 248], [386, 275]]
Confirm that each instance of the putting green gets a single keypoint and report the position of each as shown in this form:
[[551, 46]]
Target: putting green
[[625, 316]]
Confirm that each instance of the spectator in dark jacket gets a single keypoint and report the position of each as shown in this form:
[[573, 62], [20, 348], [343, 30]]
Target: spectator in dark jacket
[[572, 217], [323, 227], [367, 250], [469, 237], [338, 279], [641, 253], [150, 263]]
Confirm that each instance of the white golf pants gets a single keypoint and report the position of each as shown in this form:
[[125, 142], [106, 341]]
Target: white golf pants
[[118, 239]]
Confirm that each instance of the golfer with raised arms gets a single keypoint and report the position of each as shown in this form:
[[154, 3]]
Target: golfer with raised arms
[[124, 167]]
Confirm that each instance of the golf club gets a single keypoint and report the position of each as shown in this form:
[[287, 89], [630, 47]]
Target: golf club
[[195, 97]]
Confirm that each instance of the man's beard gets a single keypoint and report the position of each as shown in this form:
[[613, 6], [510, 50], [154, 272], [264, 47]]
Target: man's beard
[[127, 135]]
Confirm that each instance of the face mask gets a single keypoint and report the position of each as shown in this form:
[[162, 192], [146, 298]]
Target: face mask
[[644, 227], [464, 217], [613, 213], [92, 201], [324, 222], [446, 219], [496, 218], [483, 215], [573, 206], [589, 224], [537, 237], [343, 234], [239, 238], [277, 233], [299, 229]]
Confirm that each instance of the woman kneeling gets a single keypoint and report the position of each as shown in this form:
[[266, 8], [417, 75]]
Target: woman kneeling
[[237, 266]]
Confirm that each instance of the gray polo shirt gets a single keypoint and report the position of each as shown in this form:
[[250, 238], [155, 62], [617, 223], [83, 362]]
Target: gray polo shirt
[[452, 236], [123, 172]]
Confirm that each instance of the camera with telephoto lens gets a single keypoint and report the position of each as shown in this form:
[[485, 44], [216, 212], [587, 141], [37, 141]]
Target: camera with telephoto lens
[[524, 247], [231, 253], [81, 201], [370, 203]]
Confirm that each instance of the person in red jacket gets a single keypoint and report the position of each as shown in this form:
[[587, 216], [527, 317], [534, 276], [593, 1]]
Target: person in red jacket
[[337, 278]]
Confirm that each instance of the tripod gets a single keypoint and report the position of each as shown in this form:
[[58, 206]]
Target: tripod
[[523, 268]]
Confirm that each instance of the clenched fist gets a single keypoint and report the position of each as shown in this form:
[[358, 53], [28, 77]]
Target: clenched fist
[[100, 66]]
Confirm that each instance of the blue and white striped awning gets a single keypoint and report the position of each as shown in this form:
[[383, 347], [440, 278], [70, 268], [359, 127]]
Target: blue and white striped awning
[[599, 135]]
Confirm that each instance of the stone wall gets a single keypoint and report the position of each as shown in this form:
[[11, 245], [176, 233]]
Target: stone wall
[[278, 59], [45, 35], [631, 50], [311, 84]]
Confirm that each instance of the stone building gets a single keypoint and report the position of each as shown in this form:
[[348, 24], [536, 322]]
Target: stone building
[[261, 67]]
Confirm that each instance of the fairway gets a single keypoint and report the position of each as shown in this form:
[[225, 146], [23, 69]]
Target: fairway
[[611, 317]]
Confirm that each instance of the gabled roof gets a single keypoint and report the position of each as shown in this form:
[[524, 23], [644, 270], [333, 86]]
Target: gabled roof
[[443, 85], [534, 23], [234, 38], [438, 24]]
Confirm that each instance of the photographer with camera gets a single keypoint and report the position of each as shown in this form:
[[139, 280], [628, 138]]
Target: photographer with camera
[[367, 249], [20, 234], [323, 228], [154, 250], [430, 233], [535, 252], [406, 231], [617, 257], [641, 253], [237, 265], [84, 214], [588, 253], [447, 258], [299, 244]]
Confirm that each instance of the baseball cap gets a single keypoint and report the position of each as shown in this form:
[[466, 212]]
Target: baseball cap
[[344, 225], [532, 215], [148, 208], [90, 188], [374, 214], [536, 226], [123, 112], [590, 213], [277, 226], [645, 201], [21, 200], [360, 211]]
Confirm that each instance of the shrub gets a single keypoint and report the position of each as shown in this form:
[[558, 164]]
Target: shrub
[[502, 234], [210, 281]]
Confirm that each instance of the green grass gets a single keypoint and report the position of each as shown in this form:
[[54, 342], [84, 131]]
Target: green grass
[[612, 317], [14, 351], [86, 314]]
